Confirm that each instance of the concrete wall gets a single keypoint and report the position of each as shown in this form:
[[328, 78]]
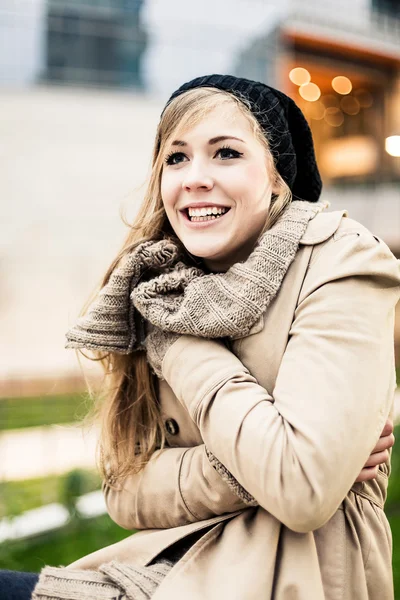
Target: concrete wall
[[70, 161]]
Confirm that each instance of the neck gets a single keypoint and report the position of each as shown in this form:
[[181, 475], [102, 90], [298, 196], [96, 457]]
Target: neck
[[221, 265]]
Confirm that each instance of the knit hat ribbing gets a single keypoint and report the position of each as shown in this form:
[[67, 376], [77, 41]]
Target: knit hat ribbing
[[284, 124]]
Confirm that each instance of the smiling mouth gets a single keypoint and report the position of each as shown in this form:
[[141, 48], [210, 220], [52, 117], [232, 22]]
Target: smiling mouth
[[207, 213]]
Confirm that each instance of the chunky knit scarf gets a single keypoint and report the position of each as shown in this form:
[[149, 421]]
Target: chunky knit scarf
[[113, 581], [154, 283]]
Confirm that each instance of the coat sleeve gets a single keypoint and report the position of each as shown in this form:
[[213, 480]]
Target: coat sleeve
[[177, 486], [299, 449]]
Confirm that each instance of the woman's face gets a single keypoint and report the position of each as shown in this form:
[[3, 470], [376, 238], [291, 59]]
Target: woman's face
[[216, 187]]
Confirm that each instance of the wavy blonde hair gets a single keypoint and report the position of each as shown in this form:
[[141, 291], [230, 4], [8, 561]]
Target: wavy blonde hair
[[128, 407]]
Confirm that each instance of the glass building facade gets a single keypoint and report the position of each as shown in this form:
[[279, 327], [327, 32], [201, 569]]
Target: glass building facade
[[97, 42]]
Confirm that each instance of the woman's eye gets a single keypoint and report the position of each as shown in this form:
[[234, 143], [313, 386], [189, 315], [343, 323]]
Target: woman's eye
[[226, 153], [175, 158]]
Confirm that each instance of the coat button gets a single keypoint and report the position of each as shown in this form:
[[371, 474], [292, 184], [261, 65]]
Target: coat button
[[172, 426]]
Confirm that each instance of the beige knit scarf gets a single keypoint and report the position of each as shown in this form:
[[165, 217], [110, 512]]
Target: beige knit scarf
[[154, 283]]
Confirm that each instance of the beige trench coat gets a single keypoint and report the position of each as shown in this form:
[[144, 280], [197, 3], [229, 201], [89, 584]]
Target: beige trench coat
[[293, 412]]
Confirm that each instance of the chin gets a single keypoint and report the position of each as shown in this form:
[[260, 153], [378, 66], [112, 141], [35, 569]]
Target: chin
[[203, 251]]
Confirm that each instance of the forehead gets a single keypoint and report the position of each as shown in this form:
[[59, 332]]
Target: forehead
[[225, 119]]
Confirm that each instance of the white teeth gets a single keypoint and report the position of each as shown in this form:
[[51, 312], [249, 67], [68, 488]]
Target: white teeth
[[206, 218], [206, 211]]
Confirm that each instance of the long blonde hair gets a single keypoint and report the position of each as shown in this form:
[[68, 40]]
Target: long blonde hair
[[128, 409]]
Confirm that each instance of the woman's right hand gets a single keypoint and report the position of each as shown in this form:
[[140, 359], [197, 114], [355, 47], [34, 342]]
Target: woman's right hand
[[379, 454]]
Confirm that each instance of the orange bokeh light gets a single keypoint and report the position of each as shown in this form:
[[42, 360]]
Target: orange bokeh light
[[342, 85], [299, 76], [310, 92]]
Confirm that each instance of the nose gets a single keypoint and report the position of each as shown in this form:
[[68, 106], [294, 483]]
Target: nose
[[196, 179]]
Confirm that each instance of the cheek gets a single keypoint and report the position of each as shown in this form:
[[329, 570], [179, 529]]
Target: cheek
[[257, 176], [248, 183]]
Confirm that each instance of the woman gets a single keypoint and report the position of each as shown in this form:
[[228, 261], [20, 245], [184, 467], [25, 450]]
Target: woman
[[248, 338]]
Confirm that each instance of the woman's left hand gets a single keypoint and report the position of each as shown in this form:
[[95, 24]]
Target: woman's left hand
[[379, 454]]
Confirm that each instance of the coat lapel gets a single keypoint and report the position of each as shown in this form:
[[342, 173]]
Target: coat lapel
[[271, 332]]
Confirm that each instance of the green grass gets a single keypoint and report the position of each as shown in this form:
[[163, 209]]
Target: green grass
[[394, 521], [392, 509], [17, 413], [18, 496], [61, 547], [392, 505]]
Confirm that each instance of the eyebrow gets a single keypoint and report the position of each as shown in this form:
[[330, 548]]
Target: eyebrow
[[215, 140]]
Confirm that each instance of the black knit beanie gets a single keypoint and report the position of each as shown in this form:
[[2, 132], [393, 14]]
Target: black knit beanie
[[285, 127]]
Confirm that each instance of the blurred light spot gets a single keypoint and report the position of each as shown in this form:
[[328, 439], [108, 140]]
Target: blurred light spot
[[299, 76], [316, 110], [349, 156], [91, 504], [333, 116], [392, 145], [364, 97], [330, 100], [350, 105], [310, 92], [34, 522], [342, 85]]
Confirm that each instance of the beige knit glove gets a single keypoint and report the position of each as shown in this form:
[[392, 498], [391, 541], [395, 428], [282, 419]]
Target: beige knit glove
[[157, 343]]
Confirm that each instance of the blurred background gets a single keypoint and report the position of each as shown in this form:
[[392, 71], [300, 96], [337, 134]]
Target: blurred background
[[82, 84]]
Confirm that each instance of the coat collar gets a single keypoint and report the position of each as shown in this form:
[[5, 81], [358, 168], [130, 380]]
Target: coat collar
[[322, 227]]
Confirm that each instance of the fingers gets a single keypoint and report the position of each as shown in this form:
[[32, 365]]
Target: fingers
[[379, 455], [367, 474], [384, 443], [388, 428], [377, 458]]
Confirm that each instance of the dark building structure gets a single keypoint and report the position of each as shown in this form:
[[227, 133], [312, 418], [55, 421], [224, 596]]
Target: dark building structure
[[95, 42]]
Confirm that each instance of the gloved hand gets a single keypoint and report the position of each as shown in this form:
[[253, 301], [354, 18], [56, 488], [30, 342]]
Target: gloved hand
[[109, 323], [157, 343]]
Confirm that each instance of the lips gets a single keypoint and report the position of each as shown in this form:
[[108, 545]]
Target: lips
[[200, 205]]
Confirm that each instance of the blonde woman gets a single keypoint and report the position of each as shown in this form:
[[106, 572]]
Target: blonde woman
[[247, 340]]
